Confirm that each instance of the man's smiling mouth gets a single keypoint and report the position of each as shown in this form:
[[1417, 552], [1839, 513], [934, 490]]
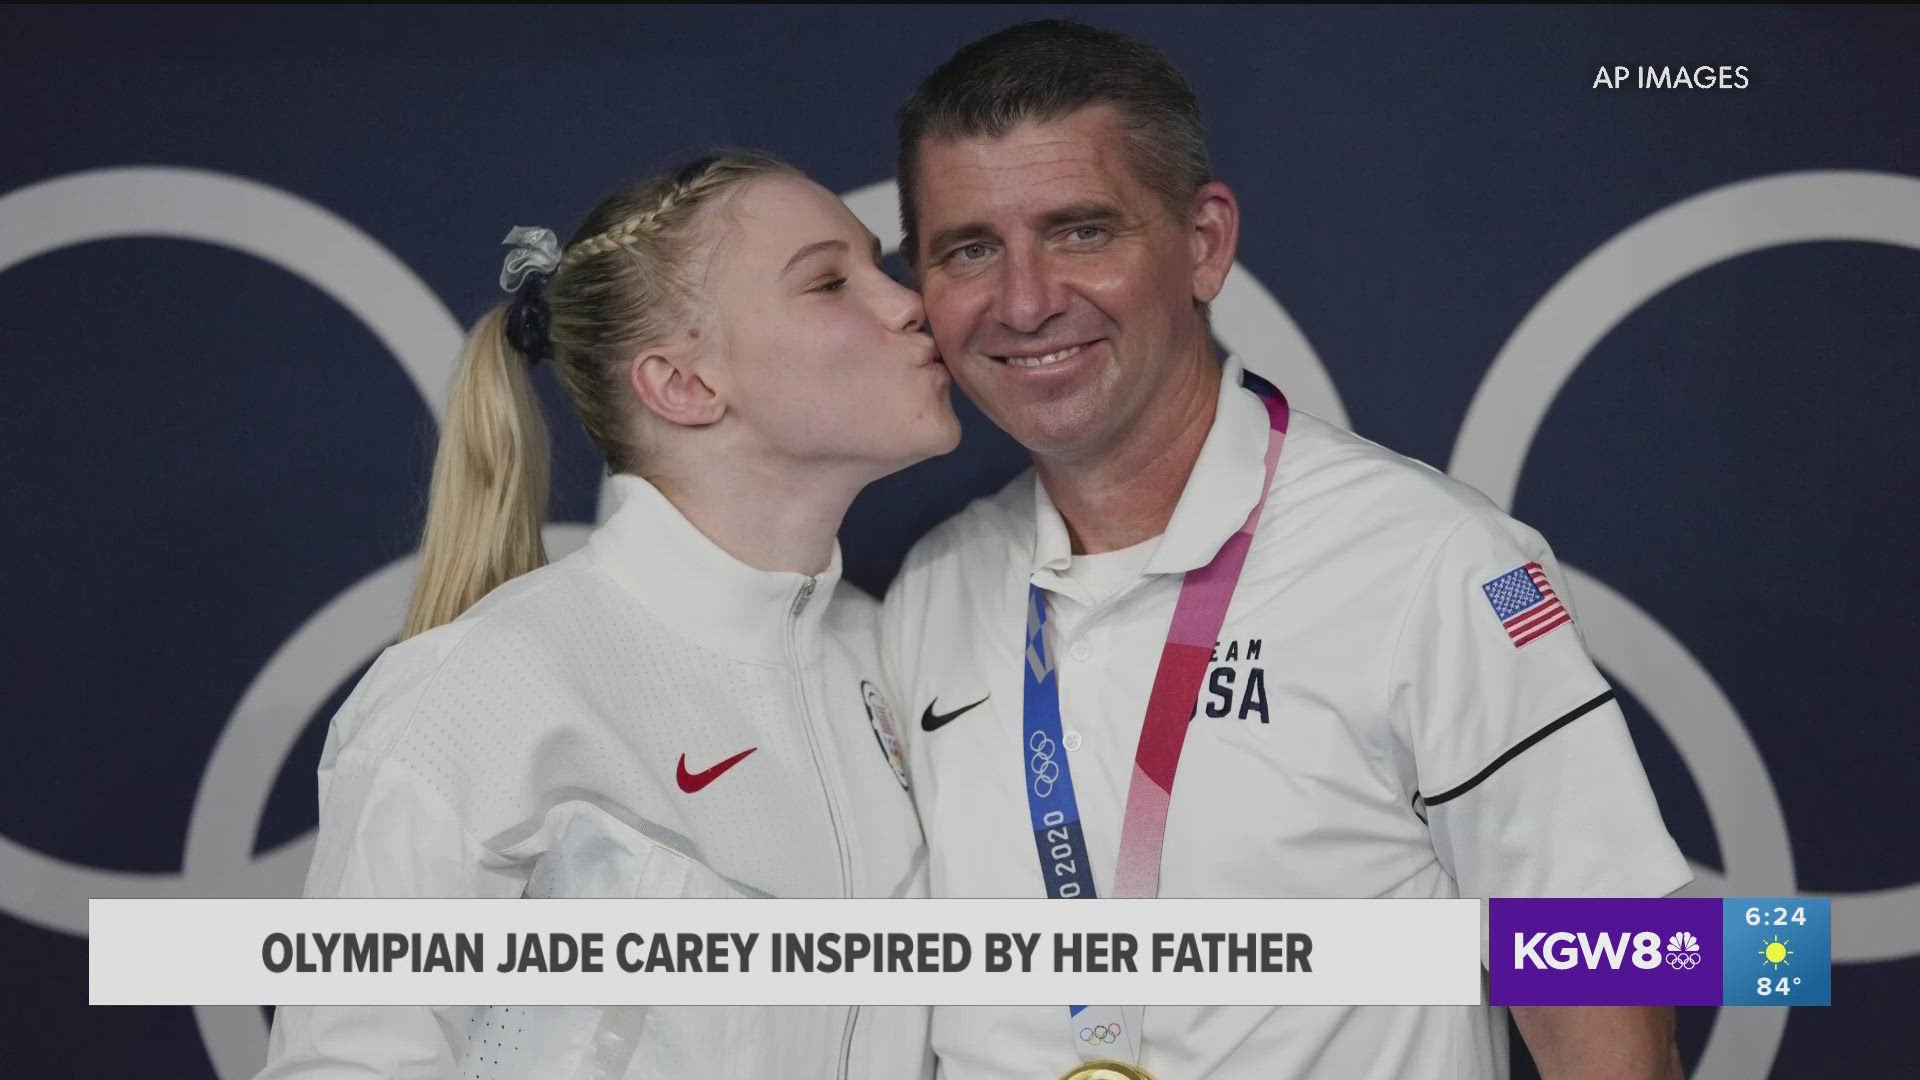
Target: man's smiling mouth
[[1043, 359]]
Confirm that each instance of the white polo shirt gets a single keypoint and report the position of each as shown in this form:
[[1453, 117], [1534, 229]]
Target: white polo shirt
[[1396, 708]]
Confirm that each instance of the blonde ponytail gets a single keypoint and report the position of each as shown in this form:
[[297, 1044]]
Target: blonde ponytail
[[621, 284], [490, 477]]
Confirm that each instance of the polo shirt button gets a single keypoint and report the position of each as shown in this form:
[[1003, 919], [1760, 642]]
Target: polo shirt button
[[1081, 650], [1072, 740]]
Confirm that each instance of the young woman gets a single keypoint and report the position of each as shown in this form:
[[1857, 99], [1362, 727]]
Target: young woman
[[687, 707]]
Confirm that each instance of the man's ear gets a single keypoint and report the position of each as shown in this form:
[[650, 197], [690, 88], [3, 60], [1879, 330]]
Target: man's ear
[[1214, 236], [671, 386]]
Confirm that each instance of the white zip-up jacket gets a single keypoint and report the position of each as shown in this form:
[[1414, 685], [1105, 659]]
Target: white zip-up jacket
[[647, 717]]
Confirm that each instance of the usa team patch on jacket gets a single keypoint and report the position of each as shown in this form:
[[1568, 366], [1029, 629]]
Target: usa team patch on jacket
[[1525, 603], [881, 717]]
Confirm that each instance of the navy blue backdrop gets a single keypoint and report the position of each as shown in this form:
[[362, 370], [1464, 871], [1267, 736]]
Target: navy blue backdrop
[[236, 243]]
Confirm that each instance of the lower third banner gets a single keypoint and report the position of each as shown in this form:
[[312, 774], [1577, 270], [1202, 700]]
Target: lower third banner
[[1674, 951]]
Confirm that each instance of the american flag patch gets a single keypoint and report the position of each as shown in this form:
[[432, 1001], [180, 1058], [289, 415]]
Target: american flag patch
[[1525, 603]]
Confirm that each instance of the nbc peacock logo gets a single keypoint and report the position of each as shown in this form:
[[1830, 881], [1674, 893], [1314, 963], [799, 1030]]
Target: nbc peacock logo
[[1683, 951]]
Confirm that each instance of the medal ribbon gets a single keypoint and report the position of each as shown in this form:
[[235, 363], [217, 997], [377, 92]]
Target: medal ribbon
[[1057, 836]]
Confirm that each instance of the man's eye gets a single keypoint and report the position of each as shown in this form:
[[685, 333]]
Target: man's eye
[[1087, 232], [972, 252], [830, 285]]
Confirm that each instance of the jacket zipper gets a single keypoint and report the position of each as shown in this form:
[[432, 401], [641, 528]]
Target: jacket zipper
[[813, 740], [846, 1043], [826, 789]]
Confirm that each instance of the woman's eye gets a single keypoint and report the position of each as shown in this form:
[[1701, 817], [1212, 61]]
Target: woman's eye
[[830, 285]]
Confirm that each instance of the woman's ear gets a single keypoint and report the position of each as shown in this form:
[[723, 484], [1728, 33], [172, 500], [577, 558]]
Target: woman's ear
[[672, 387]]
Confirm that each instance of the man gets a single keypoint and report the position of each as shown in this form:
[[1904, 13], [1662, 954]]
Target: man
[[1395, 704]]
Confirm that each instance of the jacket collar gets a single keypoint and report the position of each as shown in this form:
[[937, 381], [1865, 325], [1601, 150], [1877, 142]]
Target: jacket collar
[[1220, 492], [701, 592]]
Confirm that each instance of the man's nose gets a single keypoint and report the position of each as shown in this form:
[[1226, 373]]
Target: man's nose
[[1028, 296]]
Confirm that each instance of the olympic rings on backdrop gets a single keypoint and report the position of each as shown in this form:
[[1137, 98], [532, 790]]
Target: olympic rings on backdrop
[[405, 315]]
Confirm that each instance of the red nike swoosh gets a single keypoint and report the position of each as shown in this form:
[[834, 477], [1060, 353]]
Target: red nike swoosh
[[692, 782]]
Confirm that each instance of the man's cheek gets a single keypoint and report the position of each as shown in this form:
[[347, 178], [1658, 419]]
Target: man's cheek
[[964, 376], [948, 321], [1114, 289]]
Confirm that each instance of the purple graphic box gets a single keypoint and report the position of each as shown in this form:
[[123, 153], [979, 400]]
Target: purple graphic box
[[1605, 952]]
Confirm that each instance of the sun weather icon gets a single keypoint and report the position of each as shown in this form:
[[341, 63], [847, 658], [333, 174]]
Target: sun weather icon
[[1775, 952], [1683, 951]]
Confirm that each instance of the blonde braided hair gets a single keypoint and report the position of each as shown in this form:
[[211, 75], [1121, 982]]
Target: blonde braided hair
[[670, 199], [622, 285], [619, 236]]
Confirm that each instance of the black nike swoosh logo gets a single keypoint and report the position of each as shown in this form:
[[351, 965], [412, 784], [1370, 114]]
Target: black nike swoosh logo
[[933, 721]]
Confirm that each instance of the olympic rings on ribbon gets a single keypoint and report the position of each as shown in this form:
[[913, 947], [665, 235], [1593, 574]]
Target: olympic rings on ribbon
[[1042, 766]]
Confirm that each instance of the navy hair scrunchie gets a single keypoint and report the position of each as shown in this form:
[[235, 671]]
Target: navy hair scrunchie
[[528, 321]]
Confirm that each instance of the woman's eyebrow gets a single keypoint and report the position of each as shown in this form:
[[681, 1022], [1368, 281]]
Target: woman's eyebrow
[[812, 249]]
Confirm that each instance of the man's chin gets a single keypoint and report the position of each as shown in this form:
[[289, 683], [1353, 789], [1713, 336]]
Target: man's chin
[[1062, 424], [1059, 438]]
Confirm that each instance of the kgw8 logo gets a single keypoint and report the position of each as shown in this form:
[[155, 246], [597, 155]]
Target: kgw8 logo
[[1562, 951]]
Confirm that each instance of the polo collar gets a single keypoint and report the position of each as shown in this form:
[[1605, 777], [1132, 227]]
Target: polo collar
[[1220, 493], [700, 591]]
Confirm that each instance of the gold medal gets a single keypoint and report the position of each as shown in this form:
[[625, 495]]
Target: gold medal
[[1108, 1070]]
